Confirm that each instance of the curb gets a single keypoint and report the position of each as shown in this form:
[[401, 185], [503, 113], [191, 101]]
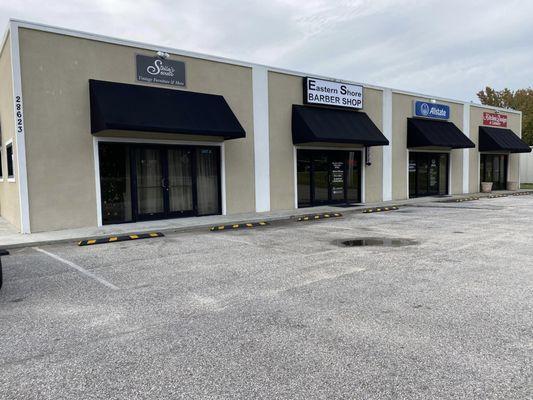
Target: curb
[[247, 225], [184, 229]]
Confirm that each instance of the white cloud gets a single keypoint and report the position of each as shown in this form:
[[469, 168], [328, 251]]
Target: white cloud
[[451, 48]]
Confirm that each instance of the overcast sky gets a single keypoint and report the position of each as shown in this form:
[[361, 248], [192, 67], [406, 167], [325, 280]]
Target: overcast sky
[[445, 48]]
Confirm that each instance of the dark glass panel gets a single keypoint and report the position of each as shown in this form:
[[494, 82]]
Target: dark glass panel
[[337, 164], [353, 169], [115, 183], [321, 177], [304, 178], [207, 181], [150, 183], [443, 174], [180, 180]]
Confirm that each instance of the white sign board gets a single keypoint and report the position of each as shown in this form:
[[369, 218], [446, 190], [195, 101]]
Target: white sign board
[[319, 91]]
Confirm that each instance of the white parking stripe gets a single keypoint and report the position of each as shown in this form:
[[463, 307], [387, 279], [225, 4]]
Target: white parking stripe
[[79, 269]]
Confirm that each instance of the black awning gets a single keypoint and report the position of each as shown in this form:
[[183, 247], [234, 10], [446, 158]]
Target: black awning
[[143, 108], [433, 133], [499, 139], [314, 124]]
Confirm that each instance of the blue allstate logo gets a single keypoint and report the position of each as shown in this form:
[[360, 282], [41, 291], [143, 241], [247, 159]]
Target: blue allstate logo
[[424, 109]]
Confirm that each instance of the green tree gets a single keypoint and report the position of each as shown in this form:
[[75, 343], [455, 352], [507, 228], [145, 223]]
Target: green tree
[[521, 99]]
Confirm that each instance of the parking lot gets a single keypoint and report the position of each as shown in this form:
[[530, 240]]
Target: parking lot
[[283, 311]]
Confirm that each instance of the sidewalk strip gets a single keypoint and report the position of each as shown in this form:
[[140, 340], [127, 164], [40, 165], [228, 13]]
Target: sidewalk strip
[[78, 268], [112, 239]]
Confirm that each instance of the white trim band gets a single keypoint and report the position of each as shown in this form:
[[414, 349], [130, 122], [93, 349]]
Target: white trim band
[[387, 150], [18, 111], [466, 152], [261, 139]]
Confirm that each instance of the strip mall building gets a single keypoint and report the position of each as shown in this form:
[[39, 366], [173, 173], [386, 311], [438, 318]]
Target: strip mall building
[[96, 131]]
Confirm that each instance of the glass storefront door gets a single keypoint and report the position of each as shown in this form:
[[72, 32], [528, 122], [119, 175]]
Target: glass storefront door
[[178, 183], [328, 177], [428, 174], [493, 168], [140, 182], [149, 183]]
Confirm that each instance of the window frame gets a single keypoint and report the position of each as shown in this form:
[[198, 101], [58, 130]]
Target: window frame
[[9, 144]]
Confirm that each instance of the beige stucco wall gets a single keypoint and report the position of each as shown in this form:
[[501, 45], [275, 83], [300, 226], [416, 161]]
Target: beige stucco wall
[[285, 90], [55, 72], [476, 120], [402, 108], [9, 191]]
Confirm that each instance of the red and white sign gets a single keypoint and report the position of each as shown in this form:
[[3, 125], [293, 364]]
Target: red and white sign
[[493, 119]]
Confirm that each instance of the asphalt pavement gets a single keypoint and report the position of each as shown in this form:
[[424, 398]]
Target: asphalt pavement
[[284, 311]]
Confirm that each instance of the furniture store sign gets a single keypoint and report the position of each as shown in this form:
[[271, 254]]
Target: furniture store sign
[[426, 109], [160, 70], [329, 93], [494, 119]]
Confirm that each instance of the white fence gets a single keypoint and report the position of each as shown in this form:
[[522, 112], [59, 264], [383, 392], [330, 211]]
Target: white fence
[[526, 167]]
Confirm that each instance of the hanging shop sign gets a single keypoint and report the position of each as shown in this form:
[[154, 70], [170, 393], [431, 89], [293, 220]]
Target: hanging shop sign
[[160, 70], [495, 119], [329, 93], [426, 109]]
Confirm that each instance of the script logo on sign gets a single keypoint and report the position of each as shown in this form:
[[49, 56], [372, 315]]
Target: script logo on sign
[[431, 110], [494, 119], [161, 71], [319, 91]]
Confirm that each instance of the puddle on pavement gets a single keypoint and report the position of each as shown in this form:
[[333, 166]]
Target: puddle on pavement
[[372, 241]]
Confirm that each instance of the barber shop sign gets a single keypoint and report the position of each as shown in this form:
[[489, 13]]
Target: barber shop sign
[[160, 70]]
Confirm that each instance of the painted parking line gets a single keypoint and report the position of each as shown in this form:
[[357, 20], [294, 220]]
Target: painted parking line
[[78, 268]]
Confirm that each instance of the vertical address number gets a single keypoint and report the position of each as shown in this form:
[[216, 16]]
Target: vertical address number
[[18, 114]]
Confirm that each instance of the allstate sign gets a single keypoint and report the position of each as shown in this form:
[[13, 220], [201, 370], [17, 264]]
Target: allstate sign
[[431, 110]]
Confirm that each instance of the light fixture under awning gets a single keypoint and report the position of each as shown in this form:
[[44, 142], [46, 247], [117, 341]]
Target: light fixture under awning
[[122, 106], [499, 139], [315, 124], [433, 133]]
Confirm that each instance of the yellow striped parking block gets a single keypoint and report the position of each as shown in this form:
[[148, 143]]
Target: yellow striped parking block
[[313, 217], [237, 226], [460, 200], [112, 239], [380, 209]]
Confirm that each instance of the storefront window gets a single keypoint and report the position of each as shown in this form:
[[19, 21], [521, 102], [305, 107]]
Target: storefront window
[[208, 185], [159, 181], [428, 174], [493, 168], [115, 183], [353, 177], [328, 177], [9, 157], [304, 180]]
